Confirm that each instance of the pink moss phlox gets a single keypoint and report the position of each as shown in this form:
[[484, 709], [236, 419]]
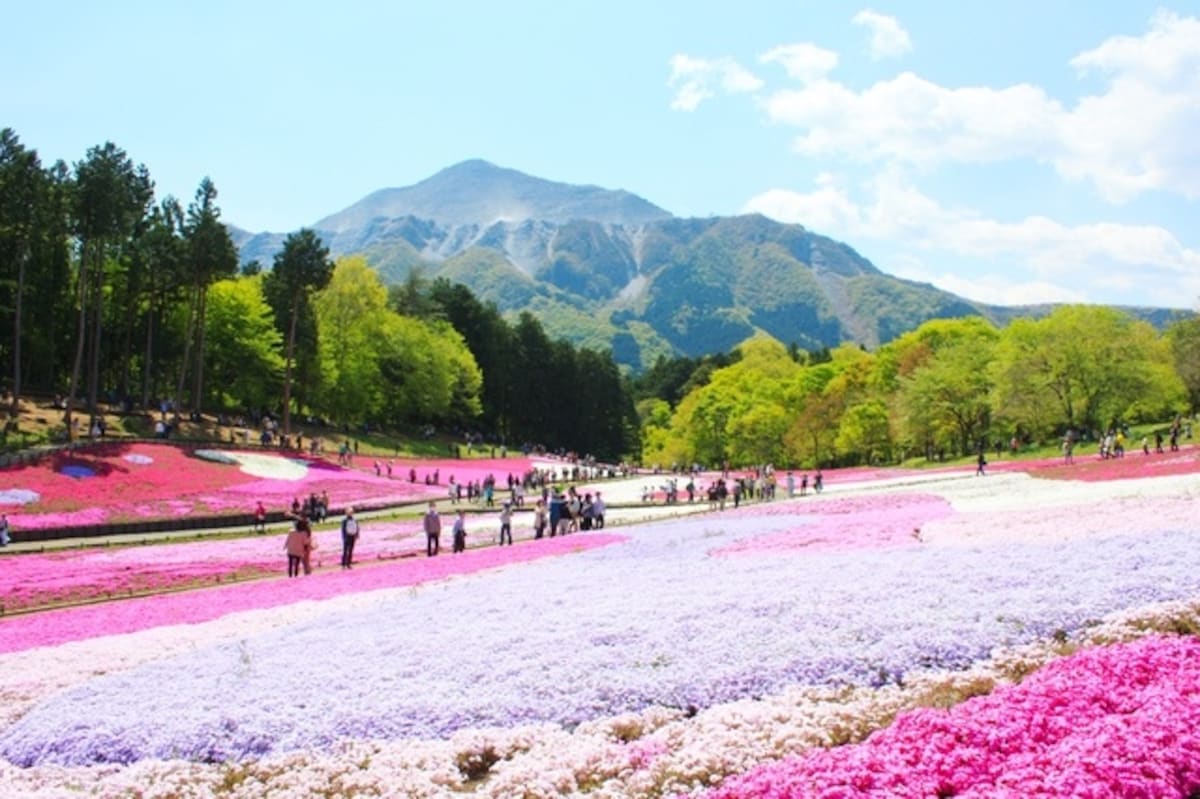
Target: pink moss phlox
[[52, 628], [876, 520], [1121, 720]]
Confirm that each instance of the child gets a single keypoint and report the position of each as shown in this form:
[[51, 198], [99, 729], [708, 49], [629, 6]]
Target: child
[[460, 533]]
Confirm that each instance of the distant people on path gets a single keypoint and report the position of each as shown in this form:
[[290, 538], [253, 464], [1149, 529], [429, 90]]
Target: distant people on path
[[4, 530], [349, 538], [460, 532], [433, 530], [598, 510], [1068, 449], [260, 518], [506, 523], [299, 547], [818, 482], [980, 462]]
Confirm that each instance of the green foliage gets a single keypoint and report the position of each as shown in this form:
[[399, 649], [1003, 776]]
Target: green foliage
[[1184, 338], [1081, 367], [244, 361]]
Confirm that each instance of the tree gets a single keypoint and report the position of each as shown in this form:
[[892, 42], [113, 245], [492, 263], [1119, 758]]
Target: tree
[[243, 350], [111, 195], [350, 315], [22, 187], [1081, 367], [1184, 337], [211, 256], [301, 268], [948, 396], [162, 249]]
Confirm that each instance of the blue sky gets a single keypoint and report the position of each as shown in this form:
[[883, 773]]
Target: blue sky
[[1012, 153]]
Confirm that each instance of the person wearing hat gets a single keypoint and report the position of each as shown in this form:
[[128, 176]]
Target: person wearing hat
[[349, 537], [506, 523]]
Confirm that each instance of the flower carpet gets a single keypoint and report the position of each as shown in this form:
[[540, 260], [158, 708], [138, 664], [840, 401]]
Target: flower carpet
[[899, 635], [123, 482]]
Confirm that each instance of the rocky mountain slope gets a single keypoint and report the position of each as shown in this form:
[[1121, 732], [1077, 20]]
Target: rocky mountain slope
[[609, 269]]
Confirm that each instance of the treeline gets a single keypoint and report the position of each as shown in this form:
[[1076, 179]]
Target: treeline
[[943, 390], [110, 295]]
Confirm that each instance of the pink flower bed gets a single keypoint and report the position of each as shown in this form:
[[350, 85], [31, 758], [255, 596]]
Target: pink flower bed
[[118, 482], [871, 521], [1135, 464], [56, 627], [1122, 720], [80, 575]]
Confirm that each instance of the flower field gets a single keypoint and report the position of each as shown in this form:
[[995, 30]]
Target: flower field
[[903, 634], [123, 482]]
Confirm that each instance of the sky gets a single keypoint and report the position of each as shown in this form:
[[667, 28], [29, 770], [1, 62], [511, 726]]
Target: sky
[[1012, 153]]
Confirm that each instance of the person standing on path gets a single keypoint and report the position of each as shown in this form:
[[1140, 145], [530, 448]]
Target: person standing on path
[[598, 510], [349, 538], [260, 518], [298, 546], [460, 532], [539, 519], [433, 530], [505, 523], [4, 532]]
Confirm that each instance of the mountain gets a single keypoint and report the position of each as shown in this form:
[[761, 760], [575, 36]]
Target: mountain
[[607, 268]]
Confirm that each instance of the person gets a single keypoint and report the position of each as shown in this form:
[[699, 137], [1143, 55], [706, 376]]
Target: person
[[506, 523], [260, 518], [460, 532], [598, 512], [587, 513], [433, 530], [4, 530], [349, 538], [980, 462], [299, 547], [539, 519], [557, 508], [818, 482], [791, 485]]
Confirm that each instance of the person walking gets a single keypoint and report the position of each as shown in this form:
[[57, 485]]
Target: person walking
[[260, 518], [298, 546], [349, 538], [506, 523], [4, 530], [598, 512], [433, 530], [460, 532]]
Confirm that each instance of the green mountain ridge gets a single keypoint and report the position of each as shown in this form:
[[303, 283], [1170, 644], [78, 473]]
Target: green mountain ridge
[[605, 268]]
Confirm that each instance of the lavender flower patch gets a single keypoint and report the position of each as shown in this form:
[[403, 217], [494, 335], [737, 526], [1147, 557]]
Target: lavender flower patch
[[657, 621]]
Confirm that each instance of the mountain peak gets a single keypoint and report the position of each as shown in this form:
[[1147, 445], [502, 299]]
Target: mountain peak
[[481, 193]]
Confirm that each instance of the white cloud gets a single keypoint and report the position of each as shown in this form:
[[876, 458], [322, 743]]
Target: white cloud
[[1044, 260], [697, 79], [909, 119], [803, 61], [888, 38], [1137, 135]]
